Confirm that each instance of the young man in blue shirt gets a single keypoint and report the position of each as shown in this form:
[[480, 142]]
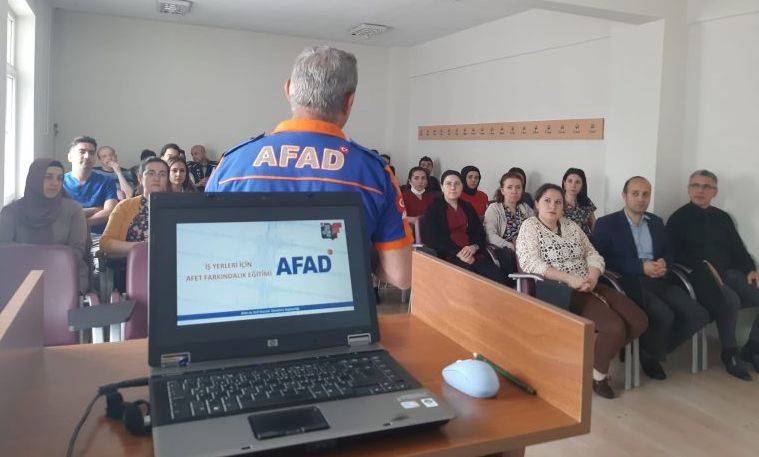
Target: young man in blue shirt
[[95, 193], [310, 153]]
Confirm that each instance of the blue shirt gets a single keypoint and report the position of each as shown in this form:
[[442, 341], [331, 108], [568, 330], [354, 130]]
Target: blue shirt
[[315, 156], [91, 193], [642, 236]]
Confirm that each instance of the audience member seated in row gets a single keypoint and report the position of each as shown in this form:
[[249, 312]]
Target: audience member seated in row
[[179, 178], [555, 247], [433, 185], [46, 215], [387, 160], [526, 197], [170, 151], [416, 198], [201, 166], [452, 228], [634, 244], [579, 208], [477, 198], [701, 232], [129, 221], [503, 218], [95, 193], [110, 168], [135, 170]]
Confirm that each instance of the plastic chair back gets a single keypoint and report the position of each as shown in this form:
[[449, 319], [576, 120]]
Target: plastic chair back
[[60, 283]]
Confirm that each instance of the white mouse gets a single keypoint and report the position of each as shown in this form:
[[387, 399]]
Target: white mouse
[[472, 377]]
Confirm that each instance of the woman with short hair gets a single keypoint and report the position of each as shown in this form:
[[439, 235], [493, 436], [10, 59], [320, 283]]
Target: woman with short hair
[[453, 229], [555, 247]]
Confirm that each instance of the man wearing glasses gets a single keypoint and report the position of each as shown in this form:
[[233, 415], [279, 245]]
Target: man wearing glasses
[[724, 273]]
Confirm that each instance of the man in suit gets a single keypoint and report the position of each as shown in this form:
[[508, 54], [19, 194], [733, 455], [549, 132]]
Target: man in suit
[[634, 244]]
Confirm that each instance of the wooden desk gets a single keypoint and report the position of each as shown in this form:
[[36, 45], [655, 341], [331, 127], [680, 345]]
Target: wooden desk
[[38, 417]]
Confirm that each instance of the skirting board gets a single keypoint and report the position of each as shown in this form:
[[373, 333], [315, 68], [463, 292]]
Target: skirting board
[[563, 129]]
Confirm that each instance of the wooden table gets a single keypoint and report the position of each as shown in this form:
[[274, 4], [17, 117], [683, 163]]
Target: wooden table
[[39, 414]]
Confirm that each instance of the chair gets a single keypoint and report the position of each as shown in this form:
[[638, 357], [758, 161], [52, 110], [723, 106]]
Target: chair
[[416, 225], [136, 291], [61, 285], [682, 273]]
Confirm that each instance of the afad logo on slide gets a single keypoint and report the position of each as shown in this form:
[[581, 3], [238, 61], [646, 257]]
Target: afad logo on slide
[[301, 265], [331, 230]]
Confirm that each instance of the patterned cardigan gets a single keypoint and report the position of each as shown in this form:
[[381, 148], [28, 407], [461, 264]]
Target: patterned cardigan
[[539, 248]]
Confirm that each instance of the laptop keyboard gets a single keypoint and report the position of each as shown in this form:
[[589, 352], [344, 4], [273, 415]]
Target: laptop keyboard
[[279, 384]]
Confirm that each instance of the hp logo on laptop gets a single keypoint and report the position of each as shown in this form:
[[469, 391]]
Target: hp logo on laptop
[[272, 343]]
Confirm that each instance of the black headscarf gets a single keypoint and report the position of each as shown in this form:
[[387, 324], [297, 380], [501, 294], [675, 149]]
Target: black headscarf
[[464, 171], [34, 210]]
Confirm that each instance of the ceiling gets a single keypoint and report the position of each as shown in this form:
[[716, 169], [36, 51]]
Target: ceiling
[[412, 21]]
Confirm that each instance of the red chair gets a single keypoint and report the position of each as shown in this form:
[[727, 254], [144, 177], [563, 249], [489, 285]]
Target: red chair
[[61, 285]]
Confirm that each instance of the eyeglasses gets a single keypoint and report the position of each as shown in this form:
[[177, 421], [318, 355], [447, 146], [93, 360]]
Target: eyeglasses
[[452, 184], [153, 173], [701, 186]]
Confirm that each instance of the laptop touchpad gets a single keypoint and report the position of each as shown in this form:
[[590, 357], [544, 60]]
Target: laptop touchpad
[[289, 422]]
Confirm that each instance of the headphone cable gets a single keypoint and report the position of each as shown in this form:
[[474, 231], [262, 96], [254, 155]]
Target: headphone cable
[[102, 390]]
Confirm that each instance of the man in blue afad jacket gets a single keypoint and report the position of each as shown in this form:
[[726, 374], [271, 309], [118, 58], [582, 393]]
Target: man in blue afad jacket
[[310, 153]]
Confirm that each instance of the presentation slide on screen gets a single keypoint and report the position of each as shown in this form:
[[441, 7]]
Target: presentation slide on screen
[[229, 271]]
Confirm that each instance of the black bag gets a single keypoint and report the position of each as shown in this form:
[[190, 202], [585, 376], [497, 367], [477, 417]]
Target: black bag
[[554, 292]]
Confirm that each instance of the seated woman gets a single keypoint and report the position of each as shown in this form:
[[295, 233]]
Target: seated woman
[[555, 247], [415, 197], [179, 177], [579, 208], [451, 227], [526, 197], [128, 223], [477, 198], [503, 218], [46, 215]]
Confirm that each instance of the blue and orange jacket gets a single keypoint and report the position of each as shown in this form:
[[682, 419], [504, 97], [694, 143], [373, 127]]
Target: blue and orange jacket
[[305, 155]]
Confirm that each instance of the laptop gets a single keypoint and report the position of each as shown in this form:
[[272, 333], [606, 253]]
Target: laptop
[[263, 329]]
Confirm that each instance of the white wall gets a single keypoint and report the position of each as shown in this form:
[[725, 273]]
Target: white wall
[[722, 109], [534, 65], [138, 84]]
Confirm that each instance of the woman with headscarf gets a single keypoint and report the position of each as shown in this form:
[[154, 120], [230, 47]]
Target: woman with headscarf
[[46, 215], [477, 198]]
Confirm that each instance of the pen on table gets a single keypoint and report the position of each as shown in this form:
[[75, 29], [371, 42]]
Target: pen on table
[[514, 380]]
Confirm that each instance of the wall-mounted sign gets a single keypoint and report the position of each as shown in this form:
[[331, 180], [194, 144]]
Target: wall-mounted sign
[[565, 129]]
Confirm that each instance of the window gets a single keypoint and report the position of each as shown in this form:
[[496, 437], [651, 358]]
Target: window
[[10, 166]]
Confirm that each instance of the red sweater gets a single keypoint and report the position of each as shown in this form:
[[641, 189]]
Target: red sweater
[[416, 206], [479, 201]]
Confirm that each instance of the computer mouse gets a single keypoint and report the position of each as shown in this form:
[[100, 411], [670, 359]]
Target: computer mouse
[[472, 377]]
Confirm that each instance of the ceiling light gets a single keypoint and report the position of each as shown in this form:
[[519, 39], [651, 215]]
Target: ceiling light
[[368, 30], [174, 7]]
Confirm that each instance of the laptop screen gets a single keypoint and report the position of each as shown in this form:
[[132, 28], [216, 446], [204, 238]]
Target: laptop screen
[[253, 274], [233, 271]]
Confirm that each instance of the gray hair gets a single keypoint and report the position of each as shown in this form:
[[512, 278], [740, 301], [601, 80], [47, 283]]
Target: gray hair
[[705, 173], [321, 79]]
